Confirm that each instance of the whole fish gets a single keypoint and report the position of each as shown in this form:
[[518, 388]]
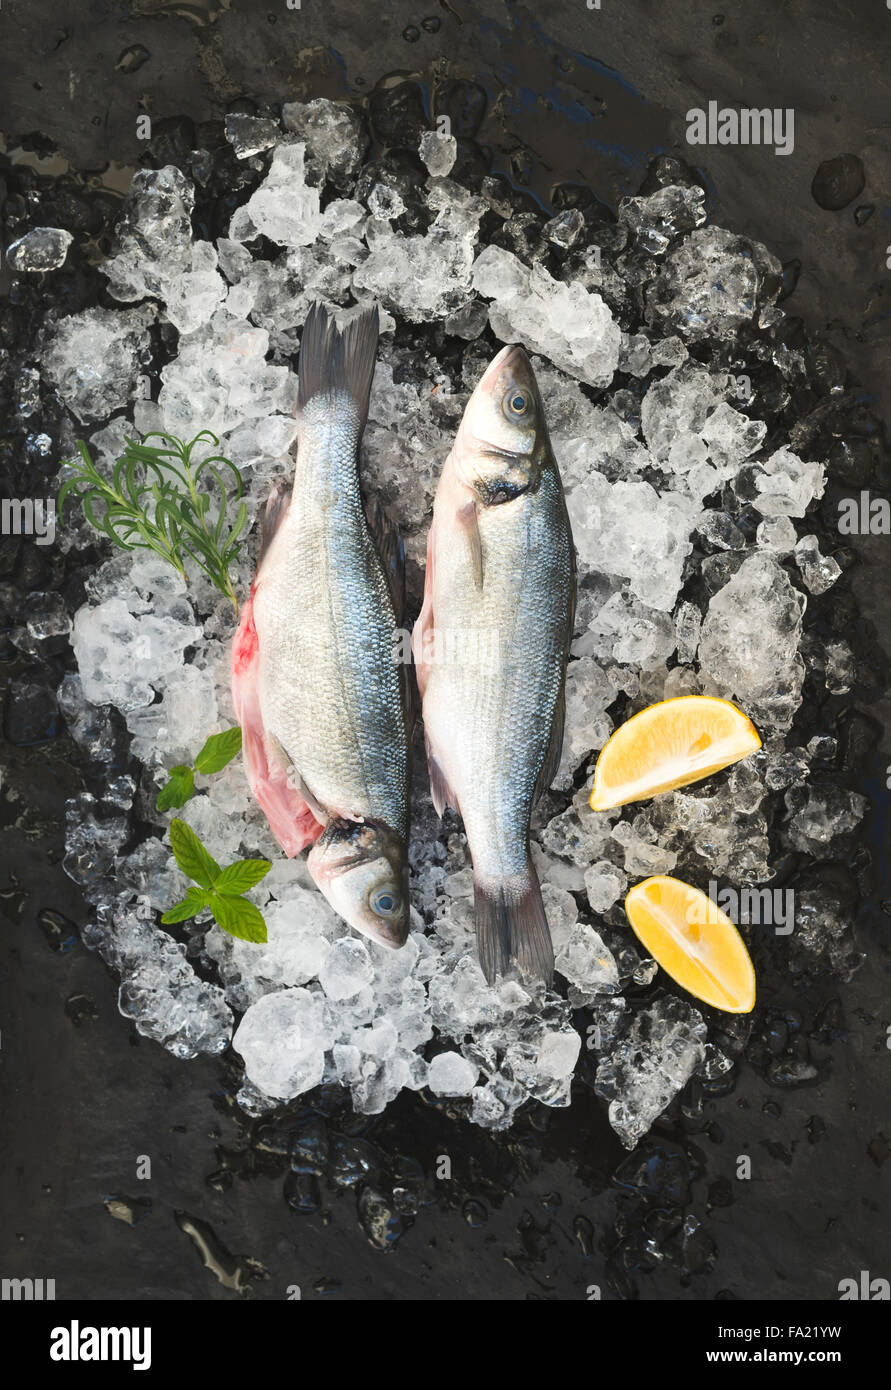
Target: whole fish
[[491, 646], [322, 704]]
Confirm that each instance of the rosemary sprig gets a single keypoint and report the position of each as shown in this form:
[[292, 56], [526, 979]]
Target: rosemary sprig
[[153, 502]]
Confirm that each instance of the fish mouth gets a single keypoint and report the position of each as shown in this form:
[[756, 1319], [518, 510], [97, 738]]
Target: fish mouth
[[513, 355], [354, 866]]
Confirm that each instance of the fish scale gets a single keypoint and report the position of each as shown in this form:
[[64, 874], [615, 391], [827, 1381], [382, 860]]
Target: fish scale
[[500, 560], [329, 687], [510, 713], [321, 701]]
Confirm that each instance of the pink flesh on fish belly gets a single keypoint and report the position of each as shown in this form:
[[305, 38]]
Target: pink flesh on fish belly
[[290, 818]]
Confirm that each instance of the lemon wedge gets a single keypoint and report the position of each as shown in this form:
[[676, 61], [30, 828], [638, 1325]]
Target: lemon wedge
[[694, 942], [669, 745]]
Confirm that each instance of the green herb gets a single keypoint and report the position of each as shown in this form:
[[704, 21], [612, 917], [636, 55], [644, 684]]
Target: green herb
[[218, 889], [153, 501], [219, 750], [178, 789]]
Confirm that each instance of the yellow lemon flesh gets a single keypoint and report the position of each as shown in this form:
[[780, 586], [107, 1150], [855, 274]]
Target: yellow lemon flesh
[[694, 942], [670, 745]]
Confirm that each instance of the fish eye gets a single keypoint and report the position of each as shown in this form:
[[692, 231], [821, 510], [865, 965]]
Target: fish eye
[[517, 403], [385, 902]]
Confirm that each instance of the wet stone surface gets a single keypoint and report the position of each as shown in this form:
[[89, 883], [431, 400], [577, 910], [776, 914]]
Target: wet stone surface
[[412, 1199]]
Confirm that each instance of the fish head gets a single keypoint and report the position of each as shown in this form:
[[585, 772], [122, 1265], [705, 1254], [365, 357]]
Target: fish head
[[503, 436], [361, 868]]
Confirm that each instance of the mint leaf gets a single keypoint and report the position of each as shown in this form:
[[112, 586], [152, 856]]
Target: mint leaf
[[219, 750], [178, 789], [238, 878], [191, 856], [191, 905], [238, 917]]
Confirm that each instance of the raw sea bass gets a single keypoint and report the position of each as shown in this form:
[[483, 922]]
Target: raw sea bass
[[491, 646], [320, 699]]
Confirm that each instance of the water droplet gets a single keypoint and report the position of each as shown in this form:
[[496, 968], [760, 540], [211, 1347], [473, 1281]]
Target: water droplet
[[132, 58], [59, 931], [80, 1008], [475, 1214], [411, 34], [584, 1234], [12, 900], [837, 182]]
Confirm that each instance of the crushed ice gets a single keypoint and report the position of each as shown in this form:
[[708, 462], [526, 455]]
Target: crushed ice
[[642, 472]]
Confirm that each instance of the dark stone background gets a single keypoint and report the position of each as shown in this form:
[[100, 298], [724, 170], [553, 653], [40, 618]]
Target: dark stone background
[[81, 1102]]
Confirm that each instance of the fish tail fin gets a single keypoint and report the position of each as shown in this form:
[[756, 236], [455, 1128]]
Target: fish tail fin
[[338, 362], [511, 927]]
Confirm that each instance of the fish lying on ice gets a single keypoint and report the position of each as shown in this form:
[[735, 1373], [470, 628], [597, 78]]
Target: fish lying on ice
[[491, 646], [322, 705]]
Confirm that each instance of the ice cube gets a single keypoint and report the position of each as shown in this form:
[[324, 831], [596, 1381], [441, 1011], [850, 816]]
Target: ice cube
[[347, 969], [712, 283], [776, 533], [786, 485], [604, 884], [94, 358], [284, 208], [750, 638], [283, 1038], [451, 1075], [818, 571], [565, 322], [250, 135], [438, 152], [647, 1068], [40, 250], [587, 965]]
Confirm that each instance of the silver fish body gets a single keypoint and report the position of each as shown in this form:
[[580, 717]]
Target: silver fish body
[[327, 695], [329, 687], [492, 645]]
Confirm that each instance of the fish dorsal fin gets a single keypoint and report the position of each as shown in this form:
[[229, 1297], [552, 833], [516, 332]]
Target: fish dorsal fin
[[555, 745], [391, 550], [273, 516], [389, 545], [337, 362]]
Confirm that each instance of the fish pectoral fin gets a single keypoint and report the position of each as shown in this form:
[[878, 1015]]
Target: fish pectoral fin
[[291, 819], [469, 522], [389, 546], [422, 632], [555, 746], [440, 790], [513, 937], [283, 760]]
